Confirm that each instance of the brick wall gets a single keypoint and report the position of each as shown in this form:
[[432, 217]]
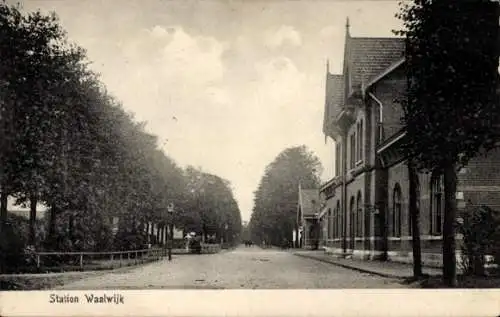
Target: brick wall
[[388, 90], [331, 203], [398, 174], [357, 185], [480, 180]]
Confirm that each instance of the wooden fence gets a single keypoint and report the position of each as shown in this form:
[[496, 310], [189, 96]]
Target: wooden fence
[[107, 260], [82, 260]]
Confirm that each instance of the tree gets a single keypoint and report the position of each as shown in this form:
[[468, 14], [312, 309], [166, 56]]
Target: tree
[[67, 143], [414, 210], [35, 63], [451, 111], [274, 213], [212, 209]]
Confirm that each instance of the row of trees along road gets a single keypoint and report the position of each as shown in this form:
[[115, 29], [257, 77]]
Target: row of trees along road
[[70, 145], [452, 110], [275, 202]]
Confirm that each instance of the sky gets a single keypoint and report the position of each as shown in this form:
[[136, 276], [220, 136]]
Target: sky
[[226, 85]]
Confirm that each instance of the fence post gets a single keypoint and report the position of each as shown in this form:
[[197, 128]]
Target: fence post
[[81, 261], [121, 256], [111, 257], [37, 261], [136, 257]]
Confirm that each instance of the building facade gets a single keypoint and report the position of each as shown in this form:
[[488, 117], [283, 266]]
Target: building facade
[[367, 200], [308, 219]]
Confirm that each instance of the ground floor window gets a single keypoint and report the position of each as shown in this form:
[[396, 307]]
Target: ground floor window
[[352, 222], [338, 231], [437, 205], [396, 211], [359, 216], [330, 224]]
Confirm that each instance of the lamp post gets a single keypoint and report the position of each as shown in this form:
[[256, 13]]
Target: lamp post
[[170, 235]]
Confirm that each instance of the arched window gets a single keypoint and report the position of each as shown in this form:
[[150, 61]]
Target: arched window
[[396, 211], [357, 141], [329, 223], [437, 205], [359, 216], [360, 146], [352, 222], [339, 221]]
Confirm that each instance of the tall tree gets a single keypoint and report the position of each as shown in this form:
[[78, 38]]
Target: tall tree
[[212, 209], [452, 111], [273, 217], [414, 211]]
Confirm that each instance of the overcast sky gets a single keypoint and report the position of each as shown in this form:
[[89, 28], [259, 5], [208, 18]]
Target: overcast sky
[[226, 85]]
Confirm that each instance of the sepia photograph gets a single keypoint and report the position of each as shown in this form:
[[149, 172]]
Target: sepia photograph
[[248, 145]]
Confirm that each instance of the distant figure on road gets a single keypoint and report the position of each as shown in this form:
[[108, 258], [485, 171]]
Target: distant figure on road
[[195, 245], [285, 244]]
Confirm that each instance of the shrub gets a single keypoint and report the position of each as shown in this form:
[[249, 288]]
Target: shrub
[[12, 244], [480, 230], [129, 237]]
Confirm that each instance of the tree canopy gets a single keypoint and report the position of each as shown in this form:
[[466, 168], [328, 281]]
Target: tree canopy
[[67, 143], [275, 201], [451, 109]]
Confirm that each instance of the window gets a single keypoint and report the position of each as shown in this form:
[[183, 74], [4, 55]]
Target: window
[[329, 224], [380, 124], [360, 145], [352, 160], [357, 142], [338, 150], [339, 220], [352, 223], [359, 216], [396, 211], [437, 205]]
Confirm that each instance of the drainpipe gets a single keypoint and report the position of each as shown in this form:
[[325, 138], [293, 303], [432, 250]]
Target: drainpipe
[[383, 219], [344, 191], [381, 115]]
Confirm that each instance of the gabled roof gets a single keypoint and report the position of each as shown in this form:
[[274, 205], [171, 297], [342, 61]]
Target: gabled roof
[[370, 56], [334, 100], [309, 201], [366, 60]]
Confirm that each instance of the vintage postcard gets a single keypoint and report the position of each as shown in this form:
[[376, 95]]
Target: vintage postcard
[[242, 158]]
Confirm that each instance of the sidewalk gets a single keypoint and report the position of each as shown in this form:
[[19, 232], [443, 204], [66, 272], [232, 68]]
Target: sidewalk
[[385, 269]]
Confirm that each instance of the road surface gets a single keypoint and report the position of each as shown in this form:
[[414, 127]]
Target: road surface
[[241, 268]]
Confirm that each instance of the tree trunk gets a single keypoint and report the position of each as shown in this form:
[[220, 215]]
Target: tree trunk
[[72, 228], [51, 234], [3, 209], [414, 211], [32, 222], [478, 262], [450, 210]]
